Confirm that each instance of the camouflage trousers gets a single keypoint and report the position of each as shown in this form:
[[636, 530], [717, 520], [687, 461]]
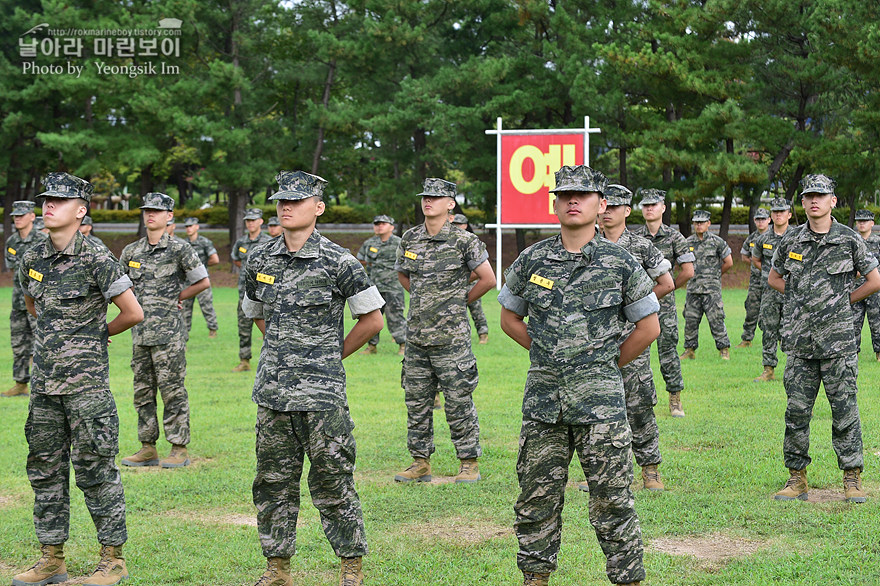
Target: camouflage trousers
[[83, 430], [283, 439], [641, 396], [163, 369], [869, 307], [667, 345], [480, 321], [451, 370], [771, 324], [206, 304], [22, 326], [245, 331], [710, 304], [395, 316], [753, 307], [545, 450], [802, 378]]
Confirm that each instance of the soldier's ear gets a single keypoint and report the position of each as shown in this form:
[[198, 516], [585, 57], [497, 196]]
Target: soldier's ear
[[320, 207]]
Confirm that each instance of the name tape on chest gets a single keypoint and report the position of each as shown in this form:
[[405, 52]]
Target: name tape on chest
[[795, 256], [411, 255], [374, 249], [541, 281], [10, 250], [691, 248], [35, 275], [768, 246], [751, 244], [268, 279], [242, 249], [134, 264]]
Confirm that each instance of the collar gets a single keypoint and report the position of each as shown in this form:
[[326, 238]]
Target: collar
[[834, 236], [311, 248], [440, 236], [73, 248]]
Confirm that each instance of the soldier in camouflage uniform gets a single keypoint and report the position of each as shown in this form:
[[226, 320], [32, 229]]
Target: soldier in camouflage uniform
[[87, 229], [756, 285], [274, 227], [674, 247], [435, 262], [72, 418], [475, 308], [579, 291], [814, 266], [713, 259], [296, 287], [160, 267], [208, 256], [871, 305], [253, 220], [771, 299], [378, 255], [39, 226], [22, 324]]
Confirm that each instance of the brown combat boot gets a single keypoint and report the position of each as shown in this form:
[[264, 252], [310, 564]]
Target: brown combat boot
[[111, 569], [277, 573], [351, 573], [484, 338], [49, 569], [688, 354], [468, 471], [852, 486], [418, 471], [724, 353], [744, 344], [438, 404], [584, 486], [877, 356], [535, 579], [178, 458], [17, 390], [244, 365], [402, 350], [651, 478], [146, 456], [212, 333], [631, 584], [765, 376], [675, 408], [795, 488], [370, 349]]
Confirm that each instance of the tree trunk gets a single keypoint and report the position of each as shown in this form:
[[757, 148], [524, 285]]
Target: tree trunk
[[724, 228], [13, 189], [520, 240], [238, 200], [325, 100]]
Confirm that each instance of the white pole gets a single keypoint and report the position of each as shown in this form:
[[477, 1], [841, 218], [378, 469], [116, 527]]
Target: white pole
[[498, 208]]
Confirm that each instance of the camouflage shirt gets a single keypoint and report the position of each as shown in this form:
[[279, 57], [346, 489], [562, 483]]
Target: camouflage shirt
[[439, 269], [71, 289], [301, 296], [576, 304], [650, 259], [668, 241], [380, 258], [748, 249], [709, 253], [204, 248], [873, 245], [16, 246], [765, 246], [159, 274], [819, 270], [240, 251]]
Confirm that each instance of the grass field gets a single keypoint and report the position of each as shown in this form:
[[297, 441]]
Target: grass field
[[716, 523]]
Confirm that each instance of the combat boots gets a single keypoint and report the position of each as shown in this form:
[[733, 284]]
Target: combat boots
[[766, 375], [795, 488], [111, 569], [724, 353], [49, 569], [744, 344], [468, 471], [212, 333], [244, 365], [418, 471], [438, 404], [146, 456], [17, 390], [651, 478], [484, 338], [584, 486], [877, 356], [178, 458], [277, 573], [675, 408], [402, 350], [688, 354], [352, 573], [370, 349], [535, 579], [852, 486]]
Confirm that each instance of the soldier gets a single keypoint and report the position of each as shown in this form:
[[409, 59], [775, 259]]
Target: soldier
[[713, 259], [578, 290], [253, 220], [675, 248], [208, 256], [434, 263], [160, 266], [72, 418], [274, 227], [296, 287], [756, 285], [170, 227], [22, 324], [378, 255], [871, 305], [814, 267], [87, 229], [771, 299], [39, 226], [475, 308]]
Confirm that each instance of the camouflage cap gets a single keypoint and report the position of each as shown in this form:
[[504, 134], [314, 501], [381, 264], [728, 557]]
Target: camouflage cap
[[383, 218], [762, 214], [87, 221], [274, 221], [817, 184], [255, 213], [459, 219], [170, 222], [779, 204], [579, 178], [434, 187], [22, 208], [66, 186], [862, 215], [38, 223], [295, 185], [618, 195], [191, 222], [652, 195], [701, 216], [158, 201]]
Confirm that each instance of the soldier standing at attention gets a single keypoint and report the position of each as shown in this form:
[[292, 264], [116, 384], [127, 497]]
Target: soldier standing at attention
[[296, 287], [253, 220], [756, 285], [208, 256], [713, 259], [675, 248], [72, 419], [22, 324], [771, 299], [814, 267], [378, 255], [160, 266], [871, 305], [475, 308], [87, 229], [578, 290], [274, 227], [434, 263]]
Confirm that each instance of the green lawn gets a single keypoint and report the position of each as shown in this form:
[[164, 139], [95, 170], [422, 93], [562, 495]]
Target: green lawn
[[722, 463]]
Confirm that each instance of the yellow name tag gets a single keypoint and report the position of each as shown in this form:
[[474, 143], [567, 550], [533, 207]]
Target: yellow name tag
[[541, 281], [691, 248], [768, 246], [242, 249], [795, 256], [266, 278], [411, 255], [374, 249], [10, 250], [35, 275], [134, 264], [751, 244]]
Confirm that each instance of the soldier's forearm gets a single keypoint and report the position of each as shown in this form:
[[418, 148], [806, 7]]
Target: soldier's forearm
[[647, 330], [367, 326]]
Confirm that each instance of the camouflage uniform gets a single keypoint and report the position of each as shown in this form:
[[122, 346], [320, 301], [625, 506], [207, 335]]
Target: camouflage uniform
[[438, 354], [204, 249], [756, 289], [380, 258], [574, 397], [158, 359], [704, 291], [869, 307], [240, 251], [771, 299], [476, 310]]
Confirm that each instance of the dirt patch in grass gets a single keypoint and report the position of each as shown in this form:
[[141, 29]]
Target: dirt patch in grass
[[458, 530], [825, 495], [711, 551], [193, 463], [6, 501]]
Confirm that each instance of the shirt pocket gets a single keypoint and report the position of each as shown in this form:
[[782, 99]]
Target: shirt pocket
[[839, 264], [313, 297], [602, 313], [539, 297], [165, 270]]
